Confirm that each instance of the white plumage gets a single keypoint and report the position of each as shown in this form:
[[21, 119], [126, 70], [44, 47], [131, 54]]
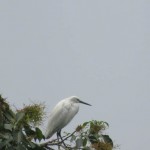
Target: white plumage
[[62, 114]]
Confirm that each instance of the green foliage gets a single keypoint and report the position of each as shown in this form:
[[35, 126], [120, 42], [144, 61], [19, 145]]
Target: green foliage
[[34, 114], [19, 131], [8, 115], [15, 133], [90, 135]]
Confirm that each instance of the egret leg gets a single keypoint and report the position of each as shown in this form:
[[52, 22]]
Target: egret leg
[[59, 135], [58, 140]]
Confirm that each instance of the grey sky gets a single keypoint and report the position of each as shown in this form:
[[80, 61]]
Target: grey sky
[[97, 50]]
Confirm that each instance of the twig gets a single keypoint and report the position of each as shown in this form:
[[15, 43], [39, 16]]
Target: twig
[[53, 142]]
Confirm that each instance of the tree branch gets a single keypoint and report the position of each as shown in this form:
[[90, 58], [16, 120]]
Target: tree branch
[[53, 142]]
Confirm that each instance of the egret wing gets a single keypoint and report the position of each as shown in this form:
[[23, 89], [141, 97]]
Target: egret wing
[[57, 119]]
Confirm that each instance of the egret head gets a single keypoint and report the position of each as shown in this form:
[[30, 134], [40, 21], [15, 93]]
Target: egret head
[[75, 99]]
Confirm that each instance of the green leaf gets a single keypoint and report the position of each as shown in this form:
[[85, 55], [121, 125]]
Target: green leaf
[[85, 123], [4, 143], [84, 141], [9, 116], [8, 126], [33, 145], [20, 147], [92, 138], [39, 134], [6, 136], [106, 124], [19, 116], [73, 138], [107, 139], [29, 131], [18, 136]]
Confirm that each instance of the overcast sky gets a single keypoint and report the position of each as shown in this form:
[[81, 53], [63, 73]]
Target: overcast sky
[[96, 50]]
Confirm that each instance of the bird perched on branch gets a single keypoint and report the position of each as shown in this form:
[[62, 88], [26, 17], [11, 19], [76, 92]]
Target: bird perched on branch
[[62, 114]]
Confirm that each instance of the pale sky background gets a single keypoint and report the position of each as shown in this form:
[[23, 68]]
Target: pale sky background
[[97, 50]]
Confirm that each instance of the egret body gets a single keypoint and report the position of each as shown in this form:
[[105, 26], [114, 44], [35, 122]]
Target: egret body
[[62, 114]]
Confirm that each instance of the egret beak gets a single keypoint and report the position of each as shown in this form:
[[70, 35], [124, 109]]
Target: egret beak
[[84, 103]]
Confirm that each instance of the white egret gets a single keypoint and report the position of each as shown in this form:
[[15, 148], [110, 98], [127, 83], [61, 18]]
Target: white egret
[[62, 114]]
